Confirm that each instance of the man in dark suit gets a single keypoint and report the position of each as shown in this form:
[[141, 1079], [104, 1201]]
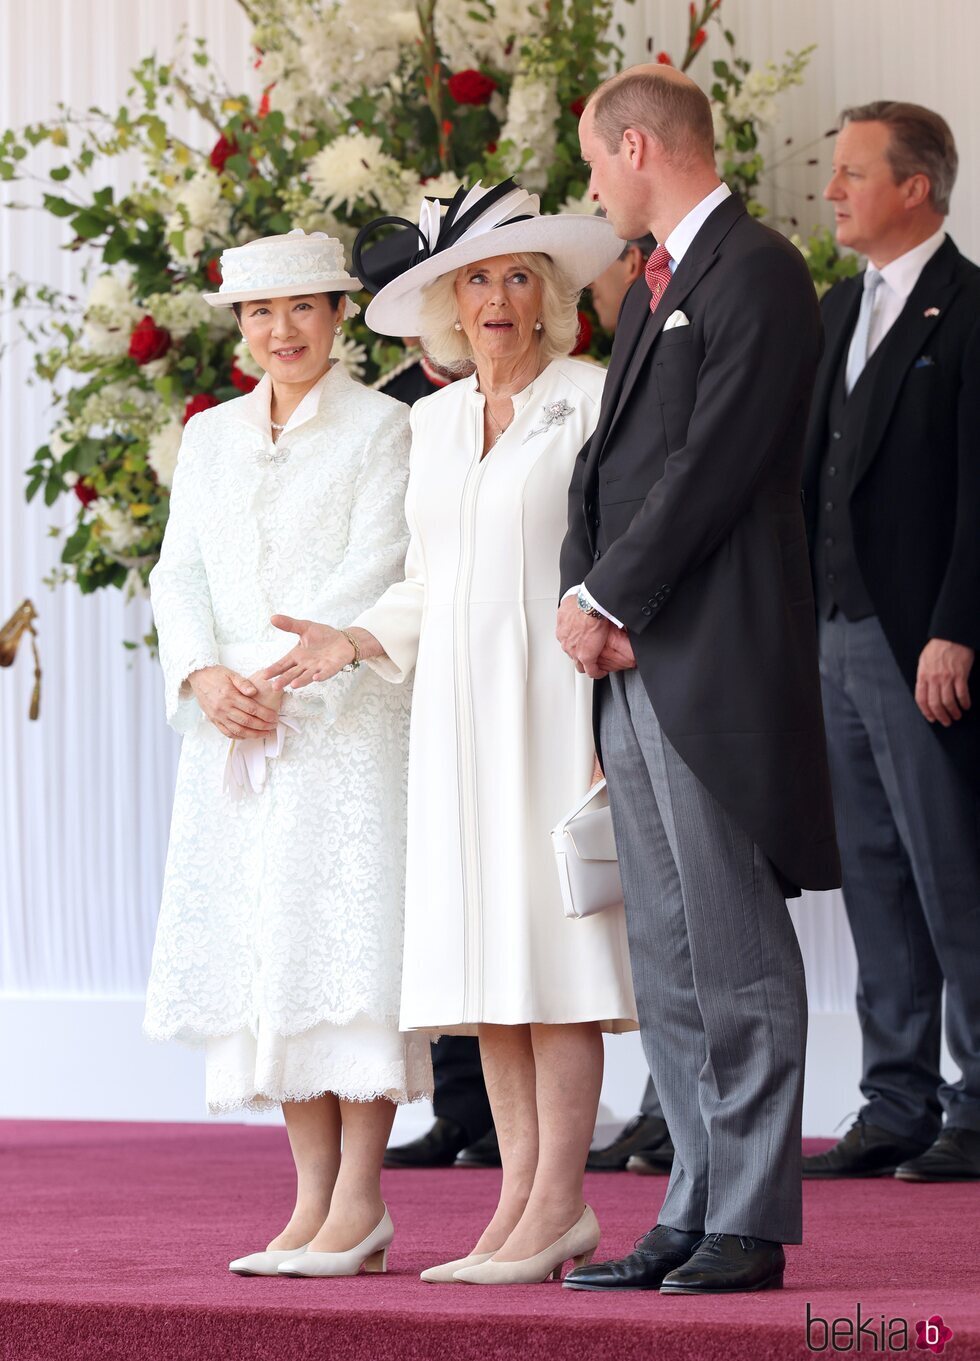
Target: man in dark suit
[[643, 1144], [892, 481], [685, 577]]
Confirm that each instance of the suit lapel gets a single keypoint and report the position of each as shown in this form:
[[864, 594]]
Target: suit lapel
[[639, 329], [906, 340], [636, 310]]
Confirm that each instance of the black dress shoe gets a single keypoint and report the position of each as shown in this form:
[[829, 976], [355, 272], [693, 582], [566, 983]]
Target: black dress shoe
[[955, 1156], [653, 1162], [437, 1148], [658, 1252], [484, 1153], [865, 1151], [726, 1263], [643, 1133]]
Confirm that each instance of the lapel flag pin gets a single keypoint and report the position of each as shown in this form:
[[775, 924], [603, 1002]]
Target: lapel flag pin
[[931, 312]]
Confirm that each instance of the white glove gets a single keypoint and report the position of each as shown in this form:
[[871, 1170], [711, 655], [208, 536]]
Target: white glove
[[245, 768]]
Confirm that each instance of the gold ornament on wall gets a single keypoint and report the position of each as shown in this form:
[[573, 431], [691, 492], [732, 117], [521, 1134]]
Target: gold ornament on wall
[[19, 623]]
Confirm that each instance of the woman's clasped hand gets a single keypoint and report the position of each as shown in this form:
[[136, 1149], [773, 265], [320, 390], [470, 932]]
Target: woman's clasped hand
[[234, 705]]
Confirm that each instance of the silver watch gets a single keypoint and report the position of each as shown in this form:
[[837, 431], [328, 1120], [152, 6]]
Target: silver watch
[[586, 606]]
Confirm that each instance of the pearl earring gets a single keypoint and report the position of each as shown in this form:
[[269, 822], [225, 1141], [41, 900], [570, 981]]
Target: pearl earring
[[539, 326], [457, 325], [338, 330]]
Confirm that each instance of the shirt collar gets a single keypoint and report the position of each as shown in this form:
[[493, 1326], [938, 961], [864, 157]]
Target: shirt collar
[[255, 406], [679, 240], [902, 274]]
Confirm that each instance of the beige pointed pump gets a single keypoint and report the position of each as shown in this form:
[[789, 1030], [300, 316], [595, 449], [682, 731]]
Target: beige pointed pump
[[578, 1245]]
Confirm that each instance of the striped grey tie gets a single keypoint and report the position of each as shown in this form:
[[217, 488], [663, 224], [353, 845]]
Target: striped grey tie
[[857, 355]]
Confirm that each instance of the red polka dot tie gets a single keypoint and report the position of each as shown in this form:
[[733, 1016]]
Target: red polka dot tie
[[657, 275]]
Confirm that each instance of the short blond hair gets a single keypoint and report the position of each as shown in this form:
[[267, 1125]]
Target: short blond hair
[[559, 314], [674, 111]]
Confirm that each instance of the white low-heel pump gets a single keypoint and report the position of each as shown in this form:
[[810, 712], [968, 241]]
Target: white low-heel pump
[[264, 1263], [371, 1254], [441, 1275]]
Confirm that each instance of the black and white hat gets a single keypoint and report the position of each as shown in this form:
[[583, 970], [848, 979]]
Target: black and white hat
[[479, 223]]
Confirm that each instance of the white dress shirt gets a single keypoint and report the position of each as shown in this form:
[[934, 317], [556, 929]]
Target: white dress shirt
[[678, 243], [897, 281]]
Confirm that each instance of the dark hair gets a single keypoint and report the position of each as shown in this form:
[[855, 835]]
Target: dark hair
[[645, 244], [676, 112], [332, 298], [921, 143]]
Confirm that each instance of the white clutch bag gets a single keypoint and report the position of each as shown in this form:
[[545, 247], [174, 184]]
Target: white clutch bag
[[585, 851]]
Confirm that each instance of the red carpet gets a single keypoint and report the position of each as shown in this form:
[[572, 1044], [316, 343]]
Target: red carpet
[[116, 1240]]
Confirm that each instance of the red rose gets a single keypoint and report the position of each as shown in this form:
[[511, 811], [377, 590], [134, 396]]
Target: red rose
[[243, 381], [471, 87], [584, 338], [664, 59], [213, 270], [201, 401], [85, 493], [223, 148], [577, 107], [699, 39], [148, 342]]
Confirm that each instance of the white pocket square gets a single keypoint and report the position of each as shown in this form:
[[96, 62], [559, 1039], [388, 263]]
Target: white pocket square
[[676, 319]]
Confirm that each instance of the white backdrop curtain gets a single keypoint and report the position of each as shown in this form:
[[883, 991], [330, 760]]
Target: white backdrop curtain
[[85, 792]]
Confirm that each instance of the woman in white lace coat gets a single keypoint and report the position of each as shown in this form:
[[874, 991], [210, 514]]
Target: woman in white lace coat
[[280, 935]]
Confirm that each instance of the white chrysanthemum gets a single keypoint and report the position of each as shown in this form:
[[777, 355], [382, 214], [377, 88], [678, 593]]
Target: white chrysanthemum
[[244, 360], [162, 450], [305, 210], [180, 312], [199, 215], [352, 355], [119, 529], [532, 125], [468, 41], [354, 169], [111, 315]]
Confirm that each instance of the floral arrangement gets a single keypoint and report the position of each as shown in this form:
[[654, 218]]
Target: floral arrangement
[[362, 108]]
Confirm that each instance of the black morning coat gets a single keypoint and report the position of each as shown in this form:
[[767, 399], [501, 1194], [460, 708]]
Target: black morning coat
[[686, 523], [914, 498]]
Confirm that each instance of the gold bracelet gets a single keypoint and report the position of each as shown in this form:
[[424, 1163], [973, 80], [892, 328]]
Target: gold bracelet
[[353, 665]]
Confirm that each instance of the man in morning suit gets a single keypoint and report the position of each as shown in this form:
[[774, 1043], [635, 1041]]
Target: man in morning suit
[[892, 480], [685, 577]]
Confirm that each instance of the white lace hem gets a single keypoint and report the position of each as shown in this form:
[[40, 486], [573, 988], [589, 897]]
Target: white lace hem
[[361, 1061]]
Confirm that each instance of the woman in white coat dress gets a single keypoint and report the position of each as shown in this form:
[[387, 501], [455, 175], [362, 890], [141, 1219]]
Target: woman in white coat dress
[[501, 743], [279, 945]]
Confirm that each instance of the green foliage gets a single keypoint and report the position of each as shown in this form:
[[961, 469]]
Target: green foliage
[[152, 250]]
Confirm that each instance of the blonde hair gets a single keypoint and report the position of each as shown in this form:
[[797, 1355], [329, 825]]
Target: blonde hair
[[559, 314], [674, 111]]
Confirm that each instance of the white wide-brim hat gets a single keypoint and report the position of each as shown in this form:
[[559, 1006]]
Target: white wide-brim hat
[[284, 267], [477, 225]]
